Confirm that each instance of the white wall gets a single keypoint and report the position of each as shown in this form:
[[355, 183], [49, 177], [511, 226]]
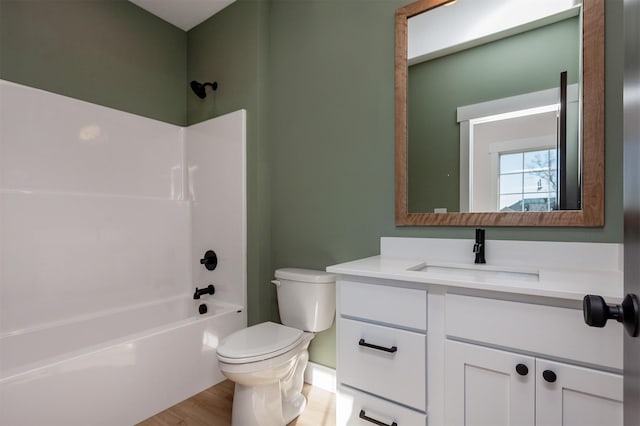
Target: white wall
[[469, 23], [217, 188], [93, 209]]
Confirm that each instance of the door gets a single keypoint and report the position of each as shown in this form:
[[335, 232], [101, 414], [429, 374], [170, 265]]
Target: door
[[488, 387], [567, 395], [632, 201]]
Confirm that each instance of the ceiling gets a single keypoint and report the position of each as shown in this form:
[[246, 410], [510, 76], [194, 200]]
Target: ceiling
[[184, 14]]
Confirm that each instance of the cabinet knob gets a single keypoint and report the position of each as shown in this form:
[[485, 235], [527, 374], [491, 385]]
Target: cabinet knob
[[522, 369], [549, 376]]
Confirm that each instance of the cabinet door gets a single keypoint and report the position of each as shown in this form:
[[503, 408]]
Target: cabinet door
[[488, 387], [577, 397]]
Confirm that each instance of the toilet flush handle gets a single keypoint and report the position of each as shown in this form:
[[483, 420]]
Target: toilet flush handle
[[276, 282]]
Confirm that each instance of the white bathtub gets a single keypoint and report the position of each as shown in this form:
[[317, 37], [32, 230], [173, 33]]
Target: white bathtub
[[113, 368]]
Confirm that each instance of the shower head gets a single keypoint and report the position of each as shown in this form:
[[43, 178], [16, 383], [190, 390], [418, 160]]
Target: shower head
[[199, 88]]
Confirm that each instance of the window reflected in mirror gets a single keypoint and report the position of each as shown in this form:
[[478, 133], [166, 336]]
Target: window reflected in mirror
[[527, 181]]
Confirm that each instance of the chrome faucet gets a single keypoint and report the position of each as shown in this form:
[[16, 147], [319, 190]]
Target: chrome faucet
[[478, 247]]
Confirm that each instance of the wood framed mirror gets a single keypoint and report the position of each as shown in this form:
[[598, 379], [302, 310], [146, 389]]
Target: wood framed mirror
[[590, 210]]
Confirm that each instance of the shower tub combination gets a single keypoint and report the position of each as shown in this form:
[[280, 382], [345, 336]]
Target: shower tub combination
[[113, 368], [104, 216]]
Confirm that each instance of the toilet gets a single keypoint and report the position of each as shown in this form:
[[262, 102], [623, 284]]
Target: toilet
[[267, 361]]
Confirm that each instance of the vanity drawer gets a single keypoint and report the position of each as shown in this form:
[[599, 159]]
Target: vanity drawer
[[352, 404], [384, 361], [405, 307], [551, 330]]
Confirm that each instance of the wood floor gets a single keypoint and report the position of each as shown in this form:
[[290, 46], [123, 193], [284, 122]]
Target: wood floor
[[212, 407]]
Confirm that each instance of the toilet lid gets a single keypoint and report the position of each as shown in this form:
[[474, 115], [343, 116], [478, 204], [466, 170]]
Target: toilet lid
[[258, 342]]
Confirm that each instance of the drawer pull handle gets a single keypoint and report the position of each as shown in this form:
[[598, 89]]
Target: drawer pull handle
[[364, 416], [392, 349]]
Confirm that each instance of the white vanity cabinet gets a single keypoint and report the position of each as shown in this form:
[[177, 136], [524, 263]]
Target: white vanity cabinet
[[424, 336], [484, 388], [489, 386], [578, 396], [381, 354]]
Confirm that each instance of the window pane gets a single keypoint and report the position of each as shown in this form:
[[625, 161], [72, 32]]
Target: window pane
[[511, 203], [510, 184], [553, 180], [527, 181], [553, 158], [510, 163], [535, 160], [536, 182], [535, 202]]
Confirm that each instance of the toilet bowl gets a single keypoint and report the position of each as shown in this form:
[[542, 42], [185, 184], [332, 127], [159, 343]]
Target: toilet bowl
[[267, 361], [268, 377]]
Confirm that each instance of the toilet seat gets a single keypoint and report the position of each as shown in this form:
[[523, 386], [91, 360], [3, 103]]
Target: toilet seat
[[258, 342]]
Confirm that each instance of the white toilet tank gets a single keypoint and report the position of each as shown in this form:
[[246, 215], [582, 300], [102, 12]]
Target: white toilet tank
[[306, 298]]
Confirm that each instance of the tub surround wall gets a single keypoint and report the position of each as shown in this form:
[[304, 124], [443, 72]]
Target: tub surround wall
[[216, 170], [99, 211], [93, 215], [103, 212]]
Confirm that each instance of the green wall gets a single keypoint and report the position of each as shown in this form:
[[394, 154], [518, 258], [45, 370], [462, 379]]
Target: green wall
[[109, 52], [523, 63], [331, 117], [331, 134], [319, 98]]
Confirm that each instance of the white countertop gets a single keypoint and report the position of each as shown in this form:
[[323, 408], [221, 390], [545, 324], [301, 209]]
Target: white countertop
[[562, 283]]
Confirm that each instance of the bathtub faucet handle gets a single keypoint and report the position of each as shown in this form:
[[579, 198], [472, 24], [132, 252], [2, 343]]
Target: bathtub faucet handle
[[210, 289], [210, 260]]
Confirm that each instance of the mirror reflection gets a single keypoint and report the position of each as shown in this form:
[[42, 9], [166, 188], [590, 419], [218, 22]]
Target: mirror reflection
[[493, 107]]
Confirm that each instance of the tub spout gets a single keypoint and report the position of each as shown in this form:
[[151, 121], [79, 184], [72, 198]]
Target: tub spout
[[210, 289]]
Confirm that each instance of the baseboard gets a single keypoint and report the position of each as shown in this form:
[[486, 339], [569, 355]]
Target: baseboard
[[320, 376]]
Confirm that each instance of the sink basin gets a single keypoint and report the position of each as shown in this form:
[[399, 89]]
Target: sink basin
[[480, 272]]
